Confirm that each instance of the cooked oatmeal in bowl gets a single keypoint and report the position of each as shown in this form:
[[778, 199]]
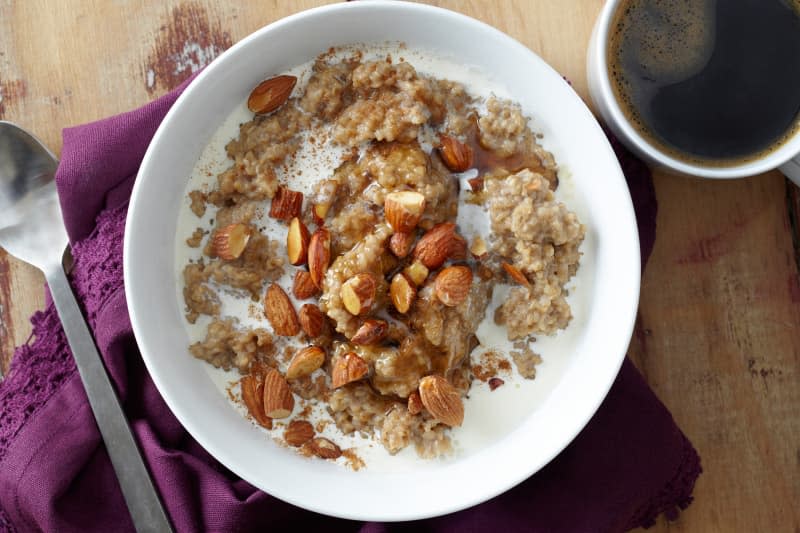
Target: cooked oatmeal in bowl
[[372, 217]]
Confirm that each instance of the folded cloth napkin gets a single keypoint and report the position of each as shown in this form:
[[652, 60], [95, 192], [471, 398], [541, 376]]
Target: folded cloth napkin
[[627, 466]]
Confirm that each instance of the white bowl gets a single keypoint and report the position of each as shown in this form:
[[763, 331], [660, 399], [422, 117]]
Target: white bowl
[[572, 381]]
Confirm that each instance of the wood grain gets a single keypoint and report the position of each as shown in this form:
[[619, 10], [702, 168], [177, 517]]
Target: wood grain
[[718, 335]]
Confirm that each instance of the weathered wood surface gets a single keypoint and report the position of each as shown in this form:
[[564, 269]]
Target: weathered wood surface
[[718, 336]]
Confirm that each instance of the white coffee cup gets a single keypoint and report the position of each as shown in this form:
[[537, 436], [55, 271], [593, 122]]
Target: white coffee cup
[[786, 157]]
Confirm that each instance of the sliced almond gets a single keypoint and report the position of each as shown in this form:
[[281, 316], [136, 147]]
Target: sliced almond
[[456, 155], [280, 312], [286, 204], [478, 248], [348, 368], [303, 286], [439, 244], [298, 432], [441, 400], [312, 320], [229, 242], [400, 244], [305, 361], [278, 399], [403, 209], [358, 293], [371, 332], [319, 212], [253, 398], [325, 448], [270, 94], [402, 293], [297, 242], [319, 255], [415, 406], [475, 184], [416, 272], [453, 284], [515, 274]]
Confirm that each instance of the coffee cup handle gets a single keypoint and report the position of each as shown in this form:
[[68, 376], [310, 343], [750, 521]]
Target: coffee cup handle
[[791, 169]]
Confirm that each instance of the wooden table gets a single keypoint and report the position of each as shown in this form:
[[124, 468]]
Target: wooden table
[[718, 333]]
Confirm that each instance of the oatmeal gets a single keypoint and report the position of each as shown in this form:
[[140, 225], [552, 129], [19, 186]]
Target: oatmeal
[[376, 326]]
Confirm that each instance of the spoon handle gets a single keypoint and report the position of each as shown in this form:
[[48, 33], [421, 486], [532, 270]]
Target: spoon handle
[[137, 487]]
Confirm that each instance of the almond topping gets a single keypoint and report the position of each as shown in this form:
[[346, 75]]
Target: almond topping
[[403, 209], [297, 242], [452, 285], [229, 242], [348, 368], [278, 399], [305, 361], [476, 184], [402, 293], [371, 332], [325, 448], [298, 432], [439, 244], [358, 293], [270, 94], [319, 255], [303, 286], [416, 272], [415, 406], [286, 204], [400, 244], [478, 248], [280, 312], [253, 398], [441, 400], [312, 320], [515, 274], [318, 213], [456, 155]]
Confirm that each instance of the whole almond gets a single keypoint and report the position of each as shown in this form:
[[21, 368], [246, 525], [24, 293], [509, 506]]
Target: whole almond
[[270, 94], [297, 242], [325, 448], [319, 255], [439, 244], [371, 331], [441, 400], [303, 286], [253, 398], [415, 403], [278, 399], [400, 244], [229, 242], [286, 204], [298, 432], [515, 274], [453, 284], [305, 361], [348, 368], [403, 209], [416, 272], [358, 293], [402, 293], [312, 320], [456, 155], [280, 312]]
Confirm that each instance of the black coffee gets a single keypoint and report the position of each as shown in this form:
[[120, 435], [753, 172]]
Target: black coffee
[[709, 81]]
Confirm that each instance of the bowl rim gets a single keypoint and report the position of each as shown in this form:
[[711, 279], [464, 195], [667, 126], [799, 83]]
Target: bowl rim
[[137, 305]]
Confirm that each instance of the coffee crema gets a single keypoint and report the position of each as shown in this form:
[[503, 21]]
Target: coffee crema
[[709, 82]]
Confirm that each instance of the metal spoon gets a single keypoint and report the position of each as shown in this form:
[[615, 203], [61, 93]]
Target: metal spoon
[[31, 228]]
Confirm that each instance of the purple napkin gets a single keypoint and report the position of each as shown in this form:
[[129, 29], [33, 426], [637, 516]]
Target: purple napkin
[[627, 466]]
